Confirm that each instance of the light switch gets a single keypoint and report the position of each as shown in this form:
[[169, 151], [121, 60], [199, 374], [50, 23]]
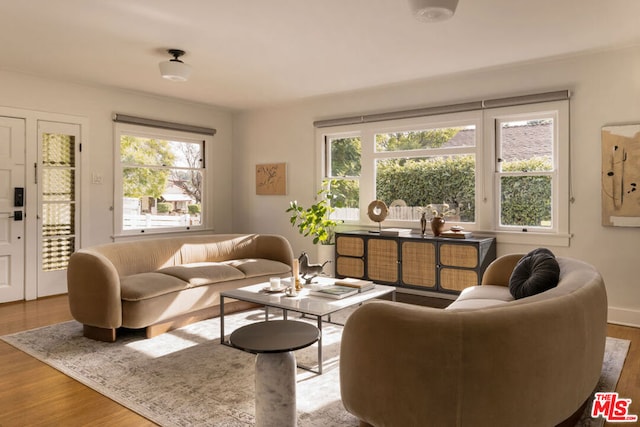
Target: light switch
[[96, 178]]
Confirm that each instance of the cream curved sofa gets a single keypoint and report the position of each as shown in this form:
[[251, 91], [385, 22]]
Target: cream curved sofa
[[163, 283], [486, 360]]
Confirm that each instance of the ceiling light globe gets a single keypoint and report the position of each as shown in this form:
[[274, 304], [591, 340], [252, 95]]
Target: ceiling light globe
[[176, 71], [433, 10]]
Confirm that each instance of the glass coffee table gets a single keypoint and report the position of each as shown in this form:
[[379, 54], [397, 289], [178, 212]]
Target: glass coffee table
[[307, 305]]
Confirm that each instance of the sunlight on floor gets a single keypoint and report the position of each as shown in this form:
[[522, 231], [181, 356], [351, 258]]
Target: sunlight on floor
[[171, 343]]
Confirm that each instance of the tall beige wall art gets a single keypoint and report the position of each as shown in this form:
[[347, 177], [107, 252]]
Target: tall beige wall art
[[621, 175]]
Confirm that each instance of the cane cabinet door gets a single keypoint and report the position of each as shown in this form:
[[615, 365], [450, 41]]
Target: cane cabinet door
[[458, 266], [419, 264], [349, 256], [382, 260]]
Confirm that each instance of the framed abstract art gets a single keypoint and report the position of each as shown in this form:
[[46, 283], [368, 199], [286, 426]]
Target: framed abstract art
[[271, 179], [621, 175]]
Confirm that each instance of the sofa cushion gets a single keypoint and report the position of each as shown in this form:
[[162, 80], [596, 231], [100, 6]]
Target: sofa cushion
[[536, 272], [486, 292], [203, 273], [475, 304], [252, 267], [148, 285], [476, 297]]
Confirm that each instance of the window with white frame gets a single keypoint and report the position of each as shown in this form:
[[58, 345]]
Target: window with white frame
[[160, 179], [530, 188], [408, 164], [495, 170], [430, 165], [342, 175], [525, 172]]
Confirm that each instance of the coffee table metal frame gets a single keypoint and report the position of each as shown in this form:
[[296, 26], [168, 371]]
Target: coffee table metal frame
[[303, 303]]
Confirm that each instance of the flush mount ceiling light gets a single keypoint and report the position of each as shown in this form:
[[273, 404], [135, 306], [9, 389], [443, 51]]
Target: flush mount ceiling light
[[433, 10], [175, 69]]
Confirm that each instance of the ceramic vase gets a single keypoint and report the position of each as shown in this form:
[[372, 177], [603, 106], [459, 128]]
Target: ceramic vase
[[437, 224]]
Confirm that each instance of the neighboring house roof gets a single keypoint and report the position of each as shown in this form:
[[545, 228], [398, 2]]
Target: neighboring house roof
[[518, 142]]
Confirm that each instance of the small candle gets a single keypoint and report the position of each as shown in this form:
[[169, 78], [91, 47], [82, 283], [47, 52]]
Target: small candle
[[295, 269]]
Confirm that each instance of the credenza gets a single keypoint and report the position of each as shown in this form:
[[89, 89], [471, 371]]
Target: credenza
[[436, 264]]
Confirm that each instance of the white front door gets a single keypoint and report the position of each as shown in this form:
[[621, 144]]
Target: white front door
[[58, 203], [12, 226]]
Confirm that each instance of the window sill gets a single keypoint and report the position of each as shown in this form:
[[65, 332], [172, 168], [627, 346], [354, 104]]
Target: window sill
[[529, 238], [160, 233]]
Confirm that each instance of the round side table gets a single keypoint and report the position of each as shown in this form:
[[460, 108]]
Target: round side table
[[274, 342]]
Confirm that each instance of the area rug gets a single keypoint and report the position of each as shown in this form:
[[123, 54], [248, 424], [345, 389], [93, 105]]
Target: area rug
[[614, 355], [186, 378]]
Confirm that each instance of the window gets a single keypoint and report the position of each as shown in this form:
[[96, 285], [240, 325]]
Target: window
[[342, 176], [160, 180], [429, 166], [530, 188], [526, 172], [499, 170], [408, 164]]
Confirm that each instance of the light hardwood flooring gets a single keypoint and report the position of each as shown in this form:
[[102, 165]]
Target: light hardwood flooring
[[34, 394]]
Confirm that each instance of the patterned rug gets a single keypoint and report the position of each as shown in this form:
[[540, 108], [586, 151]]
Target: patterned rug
[[186, 378]]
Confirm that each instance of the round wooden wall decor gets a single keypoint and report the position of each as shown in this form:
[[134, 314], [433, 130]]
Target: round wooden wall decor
[[377, 211]]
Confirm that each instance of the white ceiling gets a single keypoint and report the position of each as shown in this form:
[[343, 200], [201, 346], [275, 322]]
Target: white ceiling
[[254, 53]]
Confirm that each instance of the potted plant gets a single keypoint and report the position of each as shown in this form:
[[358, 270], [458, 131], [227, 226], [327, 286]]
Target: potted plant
[[314, 221]]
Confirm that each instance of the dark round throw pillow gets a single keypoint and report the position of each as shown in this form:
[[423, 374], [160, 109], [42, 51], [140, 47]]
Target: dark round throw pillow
[[536, 272]]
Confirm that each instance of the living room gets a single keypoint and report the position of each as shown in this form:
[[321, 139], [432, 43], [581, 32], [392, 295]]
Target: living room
[[604, 82]]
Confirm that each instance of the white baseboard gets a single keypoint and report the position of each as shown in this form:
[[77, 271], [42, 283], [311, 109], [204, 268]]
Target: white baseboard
[[624, 316]]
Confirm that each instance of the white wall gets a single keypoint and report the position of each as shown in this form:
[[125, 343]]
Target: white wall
[[606, 90], [97, 105]]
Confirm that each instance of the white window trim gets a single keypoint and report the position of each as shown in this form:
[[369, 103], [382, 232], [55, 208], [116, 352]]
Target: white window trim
[[326, 150], [367, 132], [559, 234], [149, 132], [485, 154]]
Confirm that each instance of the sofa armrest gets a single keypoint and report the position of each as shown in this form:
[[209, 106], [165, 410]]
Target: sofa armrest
[[395, 358], [499, 271], [94, 290], [274, 247]]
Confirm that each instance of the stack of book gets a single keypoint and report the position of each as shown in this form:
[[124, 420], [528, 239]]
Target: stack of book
[[456, 234], [395, 232], [334, 291], [360, 284]]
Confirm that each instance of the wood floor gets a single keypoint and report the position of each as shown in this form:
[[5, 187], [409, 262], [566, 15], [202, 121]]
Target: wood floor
[[34, 394]]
